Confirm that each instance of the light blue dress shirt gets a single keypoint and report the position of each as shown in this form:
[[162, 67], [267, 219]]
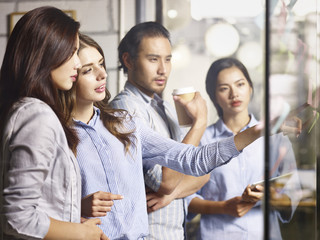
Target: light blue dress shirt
[[230, 180], [167, 222], [39, 175], [105, 167]]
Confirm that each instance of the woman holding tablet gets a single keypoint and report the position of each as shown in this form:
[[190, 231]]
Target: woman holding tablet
[[229, 208]]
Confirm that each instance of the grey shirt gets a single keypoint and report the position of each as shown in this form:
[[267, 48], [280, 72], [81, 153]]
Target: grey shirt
[[40, 177]]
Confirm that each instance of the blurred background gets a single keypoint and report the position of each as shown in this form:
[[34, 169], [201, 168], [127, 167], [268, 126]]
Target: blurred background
[[205, 30]]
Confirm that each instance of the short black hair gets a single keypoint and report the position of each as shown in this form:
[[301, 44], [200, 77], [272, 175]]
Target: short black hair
[[131, 41]]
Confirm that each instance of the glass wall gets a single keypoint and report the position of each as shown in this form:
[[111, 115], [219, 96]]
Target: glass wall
[[286, 54], [294, 88]]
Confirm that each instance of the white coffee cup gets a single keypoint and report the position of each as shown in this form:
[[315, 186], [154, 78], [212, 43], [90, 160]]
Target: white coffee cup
[[187, 94]]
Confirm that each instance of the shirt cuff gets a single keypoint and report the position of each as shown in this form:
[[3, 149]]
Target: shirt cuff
[[153, 177]]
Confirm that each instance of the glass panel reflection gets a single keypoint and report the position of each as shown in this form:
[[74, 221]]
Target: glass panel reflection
[[294, 89], [293, 79]]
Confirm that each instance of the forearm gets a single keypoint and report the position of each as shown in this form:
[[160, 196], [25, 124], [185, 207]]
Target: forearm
[[202, 206], [246, 137], [195, 133], [64, 230], [170, 180], [190, 185]]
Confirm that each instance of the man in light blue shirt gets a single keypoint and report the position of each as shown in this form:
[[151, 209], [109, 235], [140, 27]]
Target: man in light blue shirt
[[145, 56]]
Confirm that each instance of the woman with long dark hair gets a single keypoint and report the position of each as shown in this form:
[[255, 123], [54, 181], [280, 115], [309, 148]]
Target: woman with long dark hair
[[39, 175]]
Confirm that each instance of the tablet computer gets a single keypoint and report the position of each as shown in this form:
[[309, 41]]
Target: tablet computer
[[273, 180]]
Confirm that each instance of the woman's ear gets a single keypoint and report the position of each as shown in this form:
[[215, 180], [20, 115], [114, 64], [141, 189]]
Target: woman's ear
[[127, 60]]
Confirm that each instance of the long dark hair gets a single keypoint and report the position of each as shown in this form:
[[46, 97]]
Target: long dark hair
[[212, 77], [131, 42], [41, 41], [111, 118]]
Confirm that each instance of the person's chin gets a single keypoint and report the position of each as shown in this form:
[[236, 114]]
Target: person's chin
[[67, 87], [100, 98], [159, 90]]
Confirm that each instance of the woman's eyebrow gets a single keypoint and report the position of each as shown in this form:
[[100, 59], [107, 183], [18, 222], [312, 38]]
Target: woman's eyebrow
[[86, 65]]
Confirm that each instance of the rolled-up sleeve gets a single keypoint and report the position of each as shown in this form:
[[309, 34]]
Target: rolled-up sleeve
[[196, 161], [26, 161], [153, 177]]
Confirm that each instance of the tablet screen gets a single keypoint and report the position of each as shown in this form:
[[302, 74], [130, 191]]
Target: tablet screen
[[273, 180]]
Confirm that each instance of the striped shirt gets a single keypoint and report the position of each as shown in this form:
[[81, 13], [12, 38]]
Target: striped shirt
[[104, 166], [167, 222], [230, 180], [39, 174]]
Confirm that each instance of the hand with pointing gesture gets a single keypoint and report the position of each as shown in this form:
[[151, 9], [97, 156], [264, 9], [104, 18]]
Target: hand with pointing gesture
[[98, 204]]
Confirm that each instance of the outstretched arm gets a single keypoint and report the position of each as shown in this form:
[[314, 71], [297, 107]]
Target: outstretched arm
[[248, 136]]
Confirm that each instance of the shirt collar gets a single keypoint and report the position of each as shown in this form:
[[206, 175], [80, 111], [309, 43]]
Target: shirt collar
[[143, 96], [93, 120], [222, 128]]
